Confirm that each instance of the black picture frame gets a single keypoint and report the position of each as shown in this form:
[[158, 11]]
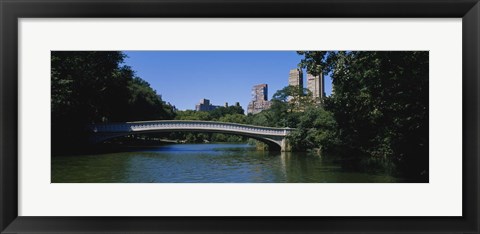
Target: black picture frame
[[12, 10]]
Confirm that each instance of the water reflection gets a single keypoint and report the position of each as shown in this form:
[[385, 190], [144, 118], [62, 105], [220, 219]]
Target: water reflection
[[204, 163]]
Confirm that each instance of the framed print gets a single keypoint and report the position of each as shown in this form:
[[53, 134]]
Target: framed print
[[227, 116]]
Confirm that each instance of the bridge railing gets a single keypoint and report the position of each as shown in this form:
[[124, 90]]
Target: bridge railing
[[187, 124]]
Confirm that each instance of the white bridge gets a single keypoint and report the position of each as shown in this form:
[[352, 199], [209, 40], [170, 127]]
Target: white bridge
[[275, 138]]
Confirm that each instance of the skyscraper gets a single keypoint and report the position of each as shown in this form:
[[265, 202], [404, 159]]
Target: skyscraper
[[295, 78], [260, 92], [316, 85], [259, 99]]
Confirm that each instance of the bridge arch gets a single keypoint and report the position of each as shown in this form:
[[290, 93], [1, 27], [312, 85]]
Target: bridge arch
[[272, 144], [275, 138]]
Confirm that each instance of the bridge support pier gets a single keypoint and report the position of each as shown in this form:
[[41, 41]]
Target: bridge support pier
[[285, 145]]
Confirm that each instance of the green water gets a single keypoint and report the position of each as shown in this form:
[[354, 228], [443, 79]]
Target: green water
[[205, 163]]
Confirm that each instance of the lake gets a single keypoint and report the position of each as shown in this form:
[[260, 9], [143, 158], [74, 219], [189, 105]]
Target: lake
[[205, 163]]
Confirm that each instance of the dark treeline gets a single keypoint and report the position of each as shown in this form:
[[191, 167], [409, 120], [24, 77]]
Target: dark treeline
[[377, 115], [93, 87]]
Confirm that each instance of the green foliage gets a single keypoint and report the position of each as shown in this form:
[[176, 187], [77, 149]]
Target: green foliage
[[219, 112], [260, 119], [231, 114], [233, 118], [94, 87], [193, 115], [286, 109], [82, 83], [316, 129], [377, 113], [380, 104], [234, 114], [91, 87], [145, 104], [296, 99], [295, 108]]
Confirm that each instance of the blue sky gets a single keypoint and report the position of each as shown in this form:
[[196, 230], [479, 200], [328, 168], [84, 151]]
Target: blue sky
[[185, 77]]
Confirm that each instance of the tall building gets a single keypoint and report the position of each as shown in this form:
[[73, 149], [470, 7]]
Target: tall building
[[259, 99], [316, 85], [205, 105], [260, 92], [295, 78]]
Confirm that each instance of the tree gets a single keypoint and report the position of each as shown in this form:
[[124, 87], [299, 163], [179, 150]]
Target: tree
[[193, 115], [297, 99], [233, 118], [145, 104], [316, 129], [380, 104], [219, 112], [93, 86]]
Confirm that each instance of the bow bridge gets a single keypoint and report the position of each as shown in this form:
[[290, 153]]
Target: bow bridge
[[275, 138]]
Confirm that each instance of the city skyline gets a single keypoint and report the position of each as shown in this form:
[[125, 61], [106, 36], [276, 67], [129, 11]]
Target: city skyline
[[183, 78]]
